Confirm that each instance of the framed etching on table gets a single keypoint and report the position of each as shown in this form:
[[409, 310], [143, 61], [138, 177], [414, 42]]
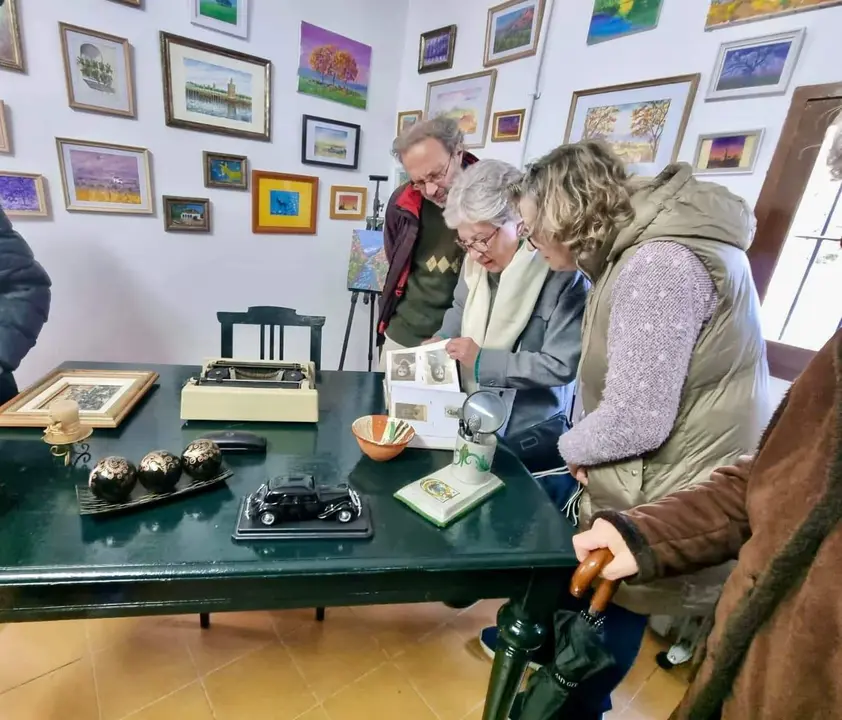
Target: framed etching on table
[[467, 99], [643, 122], [213, 89]]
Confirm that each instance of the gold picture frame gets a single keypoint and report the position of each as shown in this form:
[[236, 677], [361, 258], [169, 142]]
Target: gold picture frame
[[11, 55], [497, 39], [443, 99], [727, 153], [283, 203], [501, 133], [408, 118], [93, 83], [28, 192], [431, 55], [341, 195], [5, 138], [225, 171], [105, 397]]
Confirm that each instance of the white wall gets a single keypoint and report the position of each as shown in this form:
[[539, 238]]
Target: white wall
[[124, 290]]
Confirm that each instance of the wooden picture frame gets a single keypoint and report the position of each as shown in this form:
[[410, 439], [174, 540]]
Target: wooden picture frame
[[130, 3], [442, 99], [407, 119], [496, 37], [5, 137], [11, 55], [225, 171], [100, 406], [239, 28], [23, 195], [185, 214], [110, 184], [727, 153], [337, 195], [88, 84], [330, 143], [436, 49], [501, 131], [283, 203], [198, 105]]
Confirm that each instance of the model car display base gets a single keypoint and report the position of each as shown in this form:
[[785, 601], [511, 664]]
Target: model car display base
[[252, 529], [442, 498]]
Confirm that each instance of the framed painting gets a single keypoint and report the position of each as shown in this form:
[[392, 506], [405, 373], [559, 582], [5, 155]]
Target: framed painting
[[643, 122], [724, 13], [368, 264], [131, 3], [182, 214], [213, 89], [11, 47], [507, 126], [401, 177], [333, 67], [5, 137], [227, 16], [283, 203], [347, 202], [760, 66], [612, 19], [105, 178], [226, 172], [330, 143], [727, 153], [105, 397], [466, 98], [407, 119], [436, 48], [22, 194], [512, 31], [97, 71]]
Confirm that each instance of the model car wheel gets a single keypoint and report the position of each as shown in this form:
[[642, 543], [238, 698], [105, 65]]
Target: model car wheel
[[267, 518], [344, 516]]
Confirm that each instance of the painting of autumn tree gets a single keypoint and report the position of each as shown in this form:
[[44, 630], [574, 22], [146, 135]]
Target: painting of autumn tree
[[648, 120], [600, 122], [333, 67], [633, 130]]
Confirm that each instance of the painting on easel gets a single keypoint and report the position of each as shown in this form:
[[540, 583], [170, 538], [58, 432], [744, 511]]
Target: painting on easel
[[367, 265]]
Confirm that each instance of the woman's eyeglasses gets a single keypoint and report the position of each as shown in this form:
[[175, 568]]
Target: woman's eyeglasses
[[478, 244], [525, 234]]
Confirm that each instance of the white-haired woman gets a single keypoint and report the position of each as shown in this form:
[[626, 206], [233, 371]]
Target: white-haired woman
[[515, 324]]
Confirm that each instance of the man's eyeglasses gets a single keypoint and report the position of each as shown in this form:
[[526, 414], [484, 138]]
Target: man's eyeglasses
[[437, 179], [478, 244]]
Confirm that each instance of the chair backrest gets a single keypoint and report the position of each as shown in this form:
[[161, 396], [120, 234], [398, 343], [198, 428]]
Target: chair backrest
[[275, 319]]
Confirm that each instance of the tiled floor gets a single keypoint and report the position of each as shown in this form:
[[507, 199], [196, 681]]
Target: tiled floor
[[419, 662]]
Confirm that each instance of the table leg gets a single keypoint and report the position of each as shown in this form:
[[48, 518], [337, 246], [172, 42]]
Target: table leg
[[518, 637]]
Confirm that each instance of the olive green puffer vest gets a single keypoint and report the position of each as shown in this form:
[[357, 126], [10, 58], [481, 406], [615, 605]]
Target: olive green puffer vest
[[724, 404]]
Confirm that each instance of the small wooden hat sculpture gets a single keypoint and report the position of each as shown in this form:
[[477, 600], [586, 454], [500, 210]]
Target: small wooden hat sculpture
[[65, 427]]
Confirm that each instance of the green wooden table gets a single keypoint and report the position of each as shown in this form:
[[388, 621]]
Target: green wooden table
[[180, 557]]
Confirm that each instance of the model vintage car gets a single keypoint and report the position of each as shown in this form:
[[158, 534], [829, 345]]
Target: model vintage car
[[292, 499]]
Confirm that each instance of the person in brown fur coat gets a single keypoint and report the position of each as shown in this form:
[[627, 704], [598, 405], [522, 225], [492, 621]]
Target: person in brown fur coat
[[775, 651]]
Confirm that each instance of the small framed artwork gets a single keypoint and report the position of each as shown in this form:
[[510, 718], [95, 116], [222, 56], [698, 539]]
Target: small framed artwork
[[11, 48], [435, 49], [105, 178], [5, 138], [226, 172], [22, 194], [183, 214], [407, 119], [643, 122], [401, 177], [725, 13], [612, 19], [213, 89], [330, 143], [131, 3], [466, 98], [348, 203], [333, 67], [105, 397], [727, 153], [760, 66], [507, 126], [512, 31], [227, 16], [97, 71], [283, 203]]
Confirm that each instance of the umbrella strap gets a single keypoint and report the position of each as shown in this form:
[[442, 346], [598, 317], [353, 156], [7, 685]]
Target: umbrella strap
[[564, 683], [571, 509]]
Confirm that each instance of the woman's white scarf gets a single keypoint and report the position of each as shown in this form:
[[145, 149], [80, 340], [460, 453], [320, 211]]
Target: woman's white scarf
[[520, 285]]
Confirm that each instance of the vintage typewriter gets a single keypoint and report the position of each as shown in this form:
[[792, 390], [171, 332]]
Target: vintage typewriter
[[252, 391]]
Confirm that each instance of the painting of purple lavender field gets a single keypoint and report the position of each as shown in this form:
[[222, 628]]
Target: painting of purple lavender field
[[22, 195]]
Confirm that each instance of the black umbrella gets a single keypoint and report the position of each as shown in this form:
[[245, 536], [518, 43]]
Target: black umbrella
[[580, 652]]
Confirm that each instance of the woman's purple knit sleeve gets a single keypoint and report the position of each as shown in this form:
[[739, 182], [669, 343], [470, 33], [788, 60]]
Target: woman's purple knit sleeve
[[659, 303]]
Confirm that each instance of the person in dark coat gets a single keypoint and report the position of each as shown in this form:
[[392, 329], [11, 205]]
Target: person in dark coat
[[24, 304]]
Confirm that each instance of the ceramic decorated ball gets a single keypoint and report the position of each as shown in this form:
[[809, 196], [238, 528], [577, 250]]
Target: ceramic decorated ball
[[159, 471], [201, 459], [113, 479]]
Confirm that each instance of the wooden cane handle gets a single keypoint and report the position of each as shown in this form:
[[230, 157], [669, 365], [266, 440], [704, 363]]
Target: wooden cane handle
[[585, 576]]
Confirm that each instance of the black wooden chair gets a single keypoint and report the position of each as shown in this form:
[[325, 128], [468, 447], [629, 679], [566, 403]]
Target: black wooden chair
[[272, 321]]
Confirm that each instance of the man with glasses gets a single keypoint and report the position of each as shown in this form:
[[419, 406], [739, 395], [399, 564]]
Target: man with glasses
[[424, 258]]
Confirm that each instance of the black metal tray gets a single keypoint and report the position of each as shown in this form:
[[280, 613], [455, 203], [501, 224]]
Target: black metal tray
[[252, 529], [90, 504]]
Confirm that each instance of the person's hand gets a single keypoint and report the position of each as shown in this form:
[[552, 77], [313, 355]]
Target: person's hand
[[431, 340], [579, 473], [463, 349], [604, 535], [740, 469]]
